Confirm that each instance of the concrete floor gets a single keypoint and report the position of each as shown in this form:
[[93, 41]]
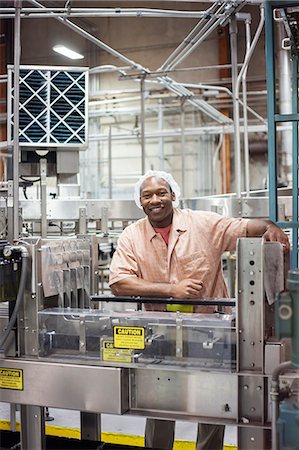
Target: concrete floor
[[121, 424]]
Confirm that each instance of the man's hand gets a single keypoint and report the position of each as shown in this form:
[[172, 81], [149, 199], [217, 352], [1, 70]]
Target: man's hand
[[275, 234], [269, 231], [189, 288]]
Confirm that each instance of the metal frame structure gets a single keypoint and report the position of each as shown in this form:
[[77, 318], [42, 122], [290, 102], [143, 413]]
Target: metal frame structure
[[274, 119], [216, 14]]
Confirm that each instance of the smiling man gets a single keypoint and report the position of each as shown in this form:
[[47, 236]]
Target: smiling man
[[177, 253]]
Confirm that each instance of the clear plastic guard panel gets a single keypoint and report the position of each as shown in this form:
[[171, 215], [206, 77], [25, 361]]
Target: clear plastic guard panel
[[139, 338]]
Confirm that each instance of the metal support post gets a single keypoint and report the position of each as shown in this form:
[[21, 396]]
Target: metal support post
[[183, 143], [110, 162], [161, 138], [234, 61], [271, 106], [295, 166], [43, 196], [32, 428], [10, 211], [90, 426], [82, 220], [16, 146], [252, 257], [142, 124]]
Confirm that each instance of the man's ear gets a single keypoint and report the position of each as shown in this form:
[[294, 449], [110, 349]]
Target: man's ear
[[173, 196]]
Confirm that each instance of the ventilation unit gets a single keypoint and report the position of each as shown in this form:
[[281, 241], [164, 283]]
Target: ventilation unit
[[52, 106]]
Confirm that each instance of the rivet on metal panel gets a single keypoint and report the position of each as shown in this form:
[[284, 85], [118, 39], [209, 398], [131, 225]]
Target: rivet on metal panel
[[252, 438], [251, 273], [252, 364], [252, 343], [240, 291], [251, 252], [252, 409], [252, 302], [259, 388], [245, 387]]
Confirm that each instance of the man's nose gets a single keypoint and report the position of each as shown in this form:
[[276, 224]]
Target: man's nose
[[155, 199]]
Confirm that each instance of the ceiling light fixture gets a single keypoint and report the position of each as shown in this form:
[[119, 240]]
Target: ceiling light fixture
[[67, 52]]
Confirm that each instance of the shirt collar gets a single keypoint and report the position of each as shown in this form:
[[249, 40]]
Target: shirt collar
[[178, 224]]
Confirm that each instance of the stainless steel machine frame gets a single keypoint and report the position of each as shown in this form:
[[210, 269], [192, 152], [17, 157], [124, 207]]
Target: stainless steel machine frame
[[240, 398]]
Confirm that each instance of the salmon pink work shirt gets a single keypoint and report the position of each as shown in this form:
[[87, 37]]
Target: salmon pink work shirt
[[196, 242]]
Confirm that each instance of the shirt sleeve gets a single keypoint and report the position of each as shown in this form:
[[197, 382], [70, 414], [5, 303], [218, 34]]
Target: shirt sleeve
[[124, 261], [226, 231]]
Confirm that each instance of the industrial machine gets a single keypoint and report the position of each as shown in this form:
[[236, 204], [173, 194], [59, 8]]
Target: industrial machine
[[95, 359]]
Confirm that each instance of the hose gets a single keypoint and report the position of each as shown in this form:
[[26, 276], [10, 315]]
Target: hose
[[20, 296]]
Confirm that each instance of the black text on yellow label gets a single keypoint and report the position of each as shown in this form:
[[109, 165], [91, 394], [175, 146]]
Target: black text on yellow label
[[129, 337], [112, 354], [11, 379]]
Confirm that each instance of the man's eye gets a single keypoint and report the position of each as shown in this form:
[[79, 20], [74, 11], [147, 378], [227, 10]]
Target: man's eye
[[161, 194], [146, 196]]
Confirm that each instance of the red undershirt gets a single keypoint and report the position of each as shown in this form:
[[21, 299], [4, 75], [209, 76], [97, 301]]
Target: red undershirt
[[165, 231]]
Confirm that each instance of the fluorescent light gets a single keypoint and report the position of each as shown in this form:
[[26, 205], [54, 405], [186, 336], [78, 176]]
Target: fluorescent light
[[67, 52]]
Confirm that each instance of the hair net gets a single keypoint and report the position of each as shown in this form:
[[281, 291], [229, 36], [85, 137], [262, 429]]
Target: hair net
[[157, 174]]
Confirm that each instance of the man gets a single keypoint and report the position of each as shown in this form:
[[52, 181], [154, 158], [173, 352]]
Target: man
[[177, 253]]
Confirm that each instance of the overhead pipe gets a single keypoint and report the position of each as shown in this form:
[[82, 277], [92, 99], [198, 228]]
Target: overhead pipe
[[193, 39], [93, 39], [102, 12], [216, 153], [198, 131], [236, 99], [229, 92], [166, 81], [285, 100], [245, 117]]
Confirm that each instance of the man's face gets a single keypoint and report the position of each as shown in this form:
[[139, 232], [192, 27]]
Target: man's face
[[156, 200]]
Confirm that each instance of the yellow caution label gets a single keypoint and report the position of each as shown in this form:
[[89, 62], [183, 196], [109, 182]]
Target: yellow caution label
[[11, 379], [129, 337], [112, 354]]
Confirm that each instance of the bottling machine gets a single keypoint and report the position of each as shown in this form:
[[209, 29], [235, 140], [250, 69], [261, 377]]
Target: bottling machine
[[71, 349]]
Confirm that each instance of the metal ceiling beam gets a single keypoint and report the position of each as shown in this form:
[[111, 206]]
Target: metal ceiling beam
[[104, 12]]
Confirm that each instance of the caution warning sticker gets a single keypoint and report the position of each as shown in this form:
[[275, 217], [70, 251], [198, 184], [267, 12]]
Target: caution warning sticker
[[11, 379], [129, 337], [112, 354]]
